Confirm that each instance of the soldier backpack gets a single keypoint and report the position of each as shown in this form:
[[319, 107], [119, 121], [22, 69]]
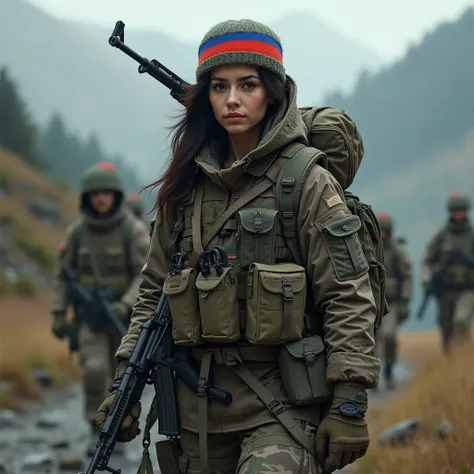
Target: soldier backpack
[[334, 133]]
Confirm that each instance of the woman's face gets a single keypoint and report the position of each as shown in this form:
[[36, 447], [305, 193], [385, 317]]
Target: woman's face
[[238, 98]]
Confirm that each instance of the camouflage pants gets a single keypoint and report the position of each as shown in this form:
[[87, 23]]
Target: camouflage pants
[[96, 355], [455, 313], [386, 347], [264, 450]]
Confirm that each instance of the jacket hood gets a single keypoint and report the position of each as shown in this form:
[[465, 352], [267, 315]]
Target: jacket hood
[[285, 127]]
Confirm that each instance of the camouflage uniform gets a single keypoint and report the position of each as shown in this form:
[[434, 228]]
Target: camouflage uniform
[[101, 238], [456, 298], [398, 288], [246, 436]]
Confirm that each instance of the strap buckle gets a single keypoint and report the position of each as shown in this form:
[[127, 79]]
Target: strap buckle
[[276, 407], [287, 185], [202, 387], [287, 289]]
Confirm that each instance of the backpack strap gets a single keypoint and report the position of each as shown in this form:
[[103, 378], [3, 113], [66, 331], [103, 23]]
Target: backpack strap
[[75, 239], [300, 159]]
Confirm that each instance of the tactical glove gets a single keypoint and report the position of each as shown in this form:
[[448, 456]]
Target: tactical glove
[[130, 426], [343, 436], [121, 310], [59, 326]]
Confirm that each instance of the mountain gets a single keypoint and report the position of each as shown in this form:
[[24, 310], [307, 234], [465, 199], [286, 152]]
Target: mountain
[[417, 106], [72, 69], [416, 118]]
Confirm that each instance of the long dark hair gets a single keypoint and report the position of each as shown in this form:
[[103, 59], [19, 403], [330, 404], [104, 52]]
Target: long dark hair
[[196, 128]]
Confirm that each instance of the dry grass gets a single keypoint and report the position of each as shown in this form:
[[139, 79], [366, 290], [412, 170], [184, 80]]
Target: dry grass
[[15, 206], [26, 343], [442, 389]]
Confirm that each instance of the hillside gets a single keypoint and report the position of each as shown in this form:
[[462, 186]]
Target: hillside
[[416, 120], [66, 68], [34, 213], [418, 106]]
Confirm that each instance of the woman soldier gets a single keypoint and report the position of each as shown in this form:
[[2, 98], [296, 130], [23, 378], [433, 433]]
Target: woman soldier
[[243, 321]]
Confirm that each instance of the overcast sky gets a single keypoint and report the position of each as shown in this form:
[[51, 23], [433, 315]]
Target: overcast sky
[[385, 26]]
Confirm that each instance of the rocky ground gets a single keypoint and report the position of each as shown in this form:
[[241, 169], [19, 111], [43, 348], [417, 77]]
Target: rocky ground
[[51, 438]]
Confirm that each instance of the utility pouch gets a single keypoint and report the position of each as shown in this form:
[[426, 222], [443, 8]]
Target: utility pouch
[[219, 306], [302, 367], [256, 236], [183, 300], [276, 296], [167, 453]]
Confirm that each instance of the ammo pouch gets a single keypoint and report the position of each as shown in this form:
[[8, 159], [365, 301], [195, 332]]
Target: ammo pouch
[[219, 305], [183, 301], [167, 453], [276, 297], [302, 366], [256, 236]]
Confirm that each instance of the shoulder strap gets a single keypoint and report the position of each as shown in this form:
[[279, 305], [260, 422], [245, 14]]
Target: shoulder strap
[[300, 159], [233, 208], [75, 239]]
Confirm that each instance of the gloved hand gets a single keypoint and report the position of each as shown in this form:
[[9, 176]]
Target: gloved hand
[[130, 426], [59, 326], [343, 436], [121, 309]]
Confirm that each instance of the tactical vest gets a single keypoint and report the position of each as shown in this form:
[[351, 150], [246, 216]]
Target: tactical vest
[[460, 275], [271, 298], [103, 257]]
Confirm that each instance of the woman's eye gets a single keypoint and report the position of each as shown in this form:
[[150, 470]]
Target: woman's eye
[[250, 85], [218, 87]]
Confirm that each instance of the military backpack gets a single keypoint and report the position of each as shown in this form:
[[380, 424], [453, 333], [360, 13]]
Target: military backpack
[[332, 132]]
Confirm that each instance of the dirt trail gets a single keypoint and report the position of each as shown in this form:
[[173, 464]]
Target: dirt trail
[[35, 441]]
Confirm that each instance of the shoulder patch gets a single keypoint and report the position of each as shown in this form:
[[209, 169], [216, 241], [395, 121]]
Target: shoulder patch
[[333, 200]]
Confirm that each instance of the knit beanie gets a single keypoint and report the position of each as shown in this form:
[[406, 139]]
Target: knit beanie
[[241, 42]]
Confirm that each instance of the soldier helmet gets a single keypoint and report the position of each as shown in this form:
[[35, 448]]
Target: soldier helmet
[[135, 203], [102, 176], [458, 202], [385, 221]]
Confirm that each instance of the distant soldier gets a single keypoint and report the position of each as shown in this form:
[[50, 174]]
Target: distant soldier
[[398, 290], [105, 246], [135, 204], [455, 296]]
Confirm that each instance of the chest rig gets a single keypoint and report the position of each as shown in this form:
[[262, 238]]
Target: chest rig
[[460, 274], [103, 257], [261, 269]]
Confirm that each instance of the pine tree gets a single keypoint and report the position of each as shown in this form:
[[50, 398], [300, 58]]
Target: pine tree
[[18, 132]]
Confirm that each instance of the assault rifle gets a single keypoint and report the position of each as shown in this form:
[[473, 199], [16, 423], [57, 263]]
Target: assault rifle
[[97, 309], [436, 282], [153, 361], [154, 68]]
